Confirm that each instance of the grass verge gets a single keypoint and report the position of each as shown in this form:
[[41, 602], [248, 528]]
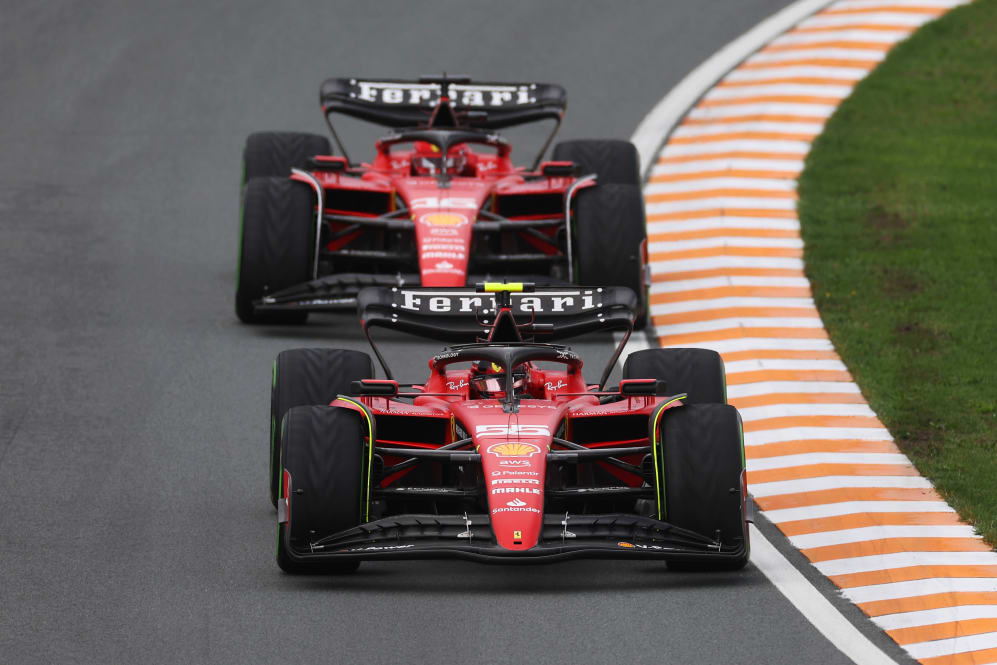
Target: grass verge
[[898, 205]]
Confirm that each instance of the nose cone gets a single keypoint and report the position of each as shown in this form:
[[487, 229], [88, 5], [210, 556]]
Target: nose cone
[[514, 475], [444, 240]]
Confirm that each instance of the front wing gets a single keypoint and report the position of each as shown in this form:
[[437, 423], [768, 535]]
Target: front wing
[[612, 536]]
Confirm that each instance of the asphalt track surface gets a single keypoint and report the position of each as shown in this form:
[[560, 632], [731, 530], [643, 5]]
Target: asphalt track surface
[[134, 522]]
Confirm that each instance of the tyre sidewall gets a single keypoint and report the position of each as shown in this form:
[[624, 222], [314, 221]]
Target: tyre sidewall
[[697, 372], [322, 450], [609, 230], [277, 236], [702, 455], [308, 377]]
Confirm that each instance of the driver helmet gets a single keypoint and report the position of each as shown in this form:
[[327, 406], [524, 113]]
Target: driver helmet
[[488, 379], [427, 160]]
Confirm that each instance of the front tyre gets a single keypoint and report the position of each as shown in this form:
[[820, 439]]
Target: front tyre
[[613, 161], [307, 377], [322, 449], [274, 154], [275, 246], [697, 372], [609, 239], [702, 454]]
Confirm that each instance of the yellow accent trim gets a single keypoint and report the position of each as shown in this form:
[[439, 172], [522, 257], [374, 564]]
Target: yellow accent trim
[[498, 287], [654, 450], [370, 456]]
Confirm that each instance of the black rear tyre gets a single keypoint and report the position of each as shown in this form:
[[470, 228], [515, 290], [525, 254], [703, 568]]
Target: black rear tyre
[[610, 231], [307, 377], [702, 453], [613, 161], [322, 450], [274, 154], [698, 372], [275, 246]]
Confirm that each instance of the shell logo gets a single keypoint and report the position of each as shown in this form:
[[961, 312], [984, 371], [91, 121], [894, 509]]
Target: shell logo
[[444, 219], [513, 449]]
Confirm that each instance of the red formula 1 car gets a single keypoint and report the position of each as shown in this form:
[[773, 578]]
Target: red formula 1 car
[[505, 453], [440, 205]]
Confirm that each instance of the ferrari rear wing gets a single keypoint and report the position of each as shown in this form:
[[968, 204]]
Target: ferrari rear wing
[[403, 103], [465, 314], [500, 313], [398, 104]]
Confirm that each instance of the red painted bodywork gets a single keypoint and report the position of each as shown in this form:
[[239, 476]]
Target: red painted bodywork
[[513, 446], [443, 215]]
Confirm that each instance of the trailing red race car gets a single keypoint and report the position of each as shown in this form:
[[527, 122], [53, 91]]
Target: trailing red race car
[[440, 205], [505, 452]]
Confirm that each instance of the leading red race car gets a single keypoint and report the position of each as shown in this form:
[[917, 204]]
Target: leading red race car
[[505, 453], [441, 203]]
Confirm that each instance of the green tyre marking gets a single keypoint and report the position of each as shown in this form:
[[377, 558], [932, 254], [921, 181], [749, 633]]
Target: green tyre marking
[[659, 478], [273, 427], [370, 455]]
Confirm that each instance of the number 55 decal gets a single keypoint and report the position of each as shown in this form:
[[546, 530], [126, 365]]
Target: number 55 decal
[[512, 430]]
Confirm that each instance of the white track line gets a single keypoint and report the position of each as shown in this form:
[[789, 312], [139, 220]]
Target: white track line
[[843, 35], [877, 4], [754, 126], [770, 184], [733, 222], [795, 363], [856, 507], [872, 593], [806, 110], [657, 125], [808, 459], [682, 285], [790, 148], [812, 605], [863, 55], [762, 344], [801, 89], [865, 564], [952, 646], [825, 434], [866, 533], [726, 241], [708, 263], [726, 303], [837, 482], [746, 322], [911, 21], [774, 387], [935, 616], [784, 410], [745, 164]]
